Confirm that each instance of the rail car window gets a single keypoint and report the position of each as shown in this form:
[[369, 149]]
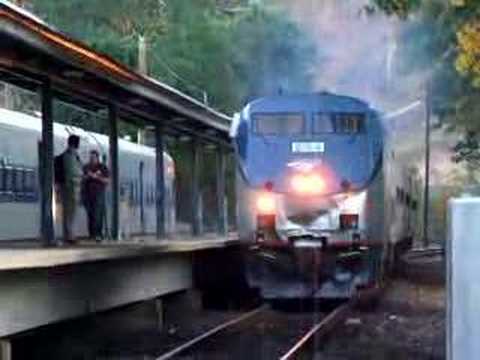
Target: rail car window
[[131, 193], [149, 194], [399, 194], [136, 197], [152, 194], [414, 205], [8, 176], [279, 124], [19, 180], [3, 177], [13, 180], [122, 190], [348, 123], [408, 200], [29, 181], [323, 124]]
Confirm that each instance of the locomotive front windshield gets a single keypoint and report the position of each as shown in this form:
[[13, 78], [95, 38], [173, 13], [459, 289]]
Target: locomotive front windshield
[[279, 124], [338, 123]]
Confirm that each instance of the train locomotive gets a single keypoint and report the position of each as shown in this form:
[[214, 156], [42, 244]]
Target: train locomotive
[[322, 209]]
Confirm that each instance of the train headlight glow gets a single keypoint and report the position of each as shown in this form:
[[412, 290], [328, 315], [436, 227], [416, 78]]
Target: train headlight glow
[[266, 203], [354, 203], [308, 184]]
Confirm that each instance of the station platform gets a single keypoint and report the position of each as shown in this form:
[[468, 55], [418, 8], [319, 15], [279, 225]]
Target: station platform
[[44, 285], [18, 255]]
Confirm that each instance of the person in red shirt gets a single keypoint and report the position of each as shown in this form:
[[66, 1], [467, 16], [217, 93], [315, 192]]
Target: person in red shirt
[[95, 183]]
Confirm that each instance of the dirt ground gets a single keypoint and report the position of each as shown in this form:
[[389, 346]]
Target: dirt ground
[[409, 323]]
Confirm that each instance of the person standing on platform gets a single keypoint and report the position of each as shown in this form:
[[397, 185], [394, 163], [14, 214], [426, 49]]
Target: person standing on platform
[[96, 177], [68, 174]]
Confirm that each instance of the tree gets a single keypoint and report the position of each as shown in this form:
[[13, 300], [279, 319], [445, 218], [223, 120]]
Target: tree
[[202, 48], [468, 60], [273, 55], [401, 8], [443, 38], [110, 26]]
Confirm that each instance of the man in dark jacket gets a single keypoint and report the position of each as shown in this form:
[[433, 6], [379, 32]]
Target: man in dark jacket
[[95, 182], [68, 173]]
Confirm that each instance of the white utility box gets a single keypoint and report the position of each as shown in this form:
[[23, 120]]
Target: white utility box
[[463, 279]]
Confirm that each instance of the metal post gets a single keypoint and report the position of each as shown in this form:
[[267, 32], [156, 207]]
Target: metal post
[[196, 211], [160, 183], [426, 202], [234, 198], [222, 226], [113, 150], [46, 166], [5, 349]]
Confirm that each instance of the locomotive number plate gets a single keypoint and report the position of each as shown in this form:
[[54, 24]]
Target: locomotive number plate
[[308, 147]]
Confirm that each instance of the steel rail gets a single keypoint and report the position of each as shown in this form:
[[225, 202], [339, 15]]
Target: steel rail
[[320, 329], [170, 354]]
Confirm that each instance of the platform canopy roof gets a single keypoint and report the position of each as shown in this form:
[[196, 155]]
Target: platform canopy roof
[[32, 52]]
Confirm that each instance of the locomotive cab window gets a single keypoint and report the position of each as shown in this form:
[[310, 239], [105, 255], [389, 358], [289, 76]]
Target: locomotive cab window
[[348, 123], [279, 124], [323, 124]]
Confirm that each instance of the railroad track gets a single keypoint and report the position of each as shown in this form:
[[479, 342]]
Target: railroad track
[[261, 334], [424, 266]]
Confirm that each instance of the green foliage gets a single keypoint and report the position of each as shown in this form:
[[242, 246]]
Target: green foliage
[[109, 26], [225, 50], [468, 150], [443, 40], [273, 63], [401, 8]]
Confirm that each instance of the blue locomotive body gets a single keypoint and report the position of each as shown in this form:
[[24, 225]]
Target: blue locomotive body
[[311, 195]]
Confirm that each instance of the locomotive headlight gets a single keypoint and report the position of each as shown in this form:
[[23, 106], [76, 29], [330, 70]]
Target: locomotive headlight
[[354, 203], [266, 203], [306, 184]]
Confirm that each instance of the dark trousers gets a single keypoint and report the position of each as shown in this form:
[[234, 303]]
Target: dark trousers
[[69, 201], [95, 207]]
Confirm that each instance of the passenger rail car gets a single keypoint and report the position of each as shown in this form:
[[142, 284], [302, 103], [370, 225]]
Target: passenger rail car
[[20, 136], [322, 208]]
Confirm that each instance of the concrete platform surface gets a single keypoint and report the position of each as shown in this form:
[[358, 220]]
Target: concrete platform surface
[[20, 255]]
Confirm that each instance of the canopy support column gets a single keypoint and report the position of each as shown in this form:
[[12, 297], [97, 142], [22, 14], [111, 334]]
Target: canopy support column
[[160, 181], [46, 166], [196, 201], [222, 225], [114, 171]]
